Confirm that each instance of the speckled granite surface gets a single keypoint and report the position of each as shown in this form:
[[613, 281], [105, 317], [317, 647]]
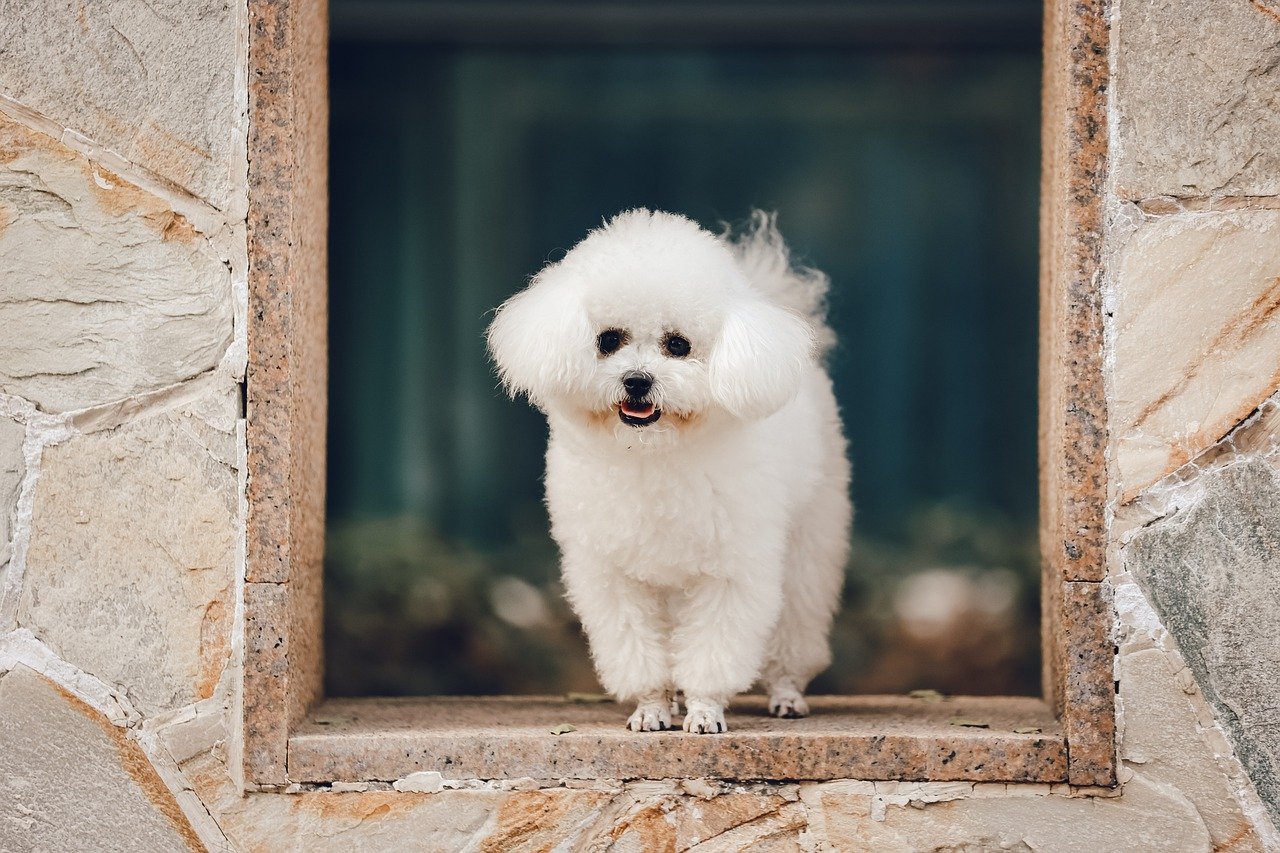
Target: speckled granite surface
[[287, 377], [863, 737]]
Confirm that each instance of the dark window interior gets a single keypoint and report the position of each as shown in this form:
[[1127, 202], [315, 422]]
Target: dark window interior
[[471, 143]]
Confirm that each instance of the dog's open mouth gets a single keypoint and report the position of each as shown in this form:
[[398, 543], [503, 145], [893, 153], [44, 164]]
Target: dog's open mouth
[[638, 413]]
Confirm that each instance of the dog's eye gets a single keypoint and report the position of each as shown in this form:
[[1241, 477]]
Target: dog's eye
[[609, 341], [676, 346]]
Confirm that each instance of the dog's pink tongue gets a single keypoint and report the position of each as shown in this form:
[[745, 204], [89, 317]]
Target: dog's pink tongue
[[638, 411]]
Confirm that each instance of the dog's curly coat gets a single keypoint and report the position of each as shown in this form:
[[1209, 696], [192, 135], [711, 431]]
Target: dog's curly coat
[[696, 472]]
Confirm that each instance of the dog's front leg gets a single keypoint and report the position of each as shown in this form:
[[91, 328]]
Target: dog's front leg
[[626, 627], [721, 627]]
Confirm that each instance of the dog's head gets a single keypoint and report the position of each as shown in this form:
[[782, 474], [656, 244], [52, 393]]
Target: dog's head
[[649, 324]]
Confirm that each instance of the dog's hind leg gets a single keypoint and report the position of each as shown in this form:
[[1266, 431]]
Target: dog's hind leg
[[800, 648]]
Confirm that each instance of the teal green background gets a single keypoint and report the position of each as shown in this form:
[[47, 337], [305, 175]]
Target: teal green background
[[909, 175]]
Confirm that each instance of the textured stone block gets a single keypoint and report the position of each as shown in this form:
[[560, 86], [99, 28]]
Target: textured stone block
[[1195, 92], [69, 780], [11, 471], [152, 80], [1148, 817], [646, 816], [1197, 336], [643, 816], [861, 737], [543, 820], [107, 292], [1210, 572], [130, 568], [747, 821], [340, 822]]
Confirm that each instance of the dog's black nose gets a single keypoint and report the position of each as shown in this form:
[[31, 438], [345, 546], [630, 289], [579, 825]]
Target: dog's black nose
[[637, 383]]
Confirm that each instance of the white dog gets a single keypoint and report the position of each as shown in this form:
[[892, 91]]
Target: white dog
[[696, 473]]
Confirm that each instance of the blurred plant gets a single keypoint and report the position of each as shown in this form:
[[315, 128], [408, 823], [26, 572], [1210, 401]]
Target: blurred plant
[[951, 604], [410, 613]]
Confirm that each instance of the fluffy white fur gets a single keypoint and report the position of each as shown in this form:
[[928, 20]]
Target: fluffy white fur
[[705, 550]]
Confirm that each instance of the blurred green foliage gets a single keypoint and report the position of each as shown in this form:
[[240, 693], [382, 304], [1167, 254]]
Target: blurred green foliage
[[412, 613]]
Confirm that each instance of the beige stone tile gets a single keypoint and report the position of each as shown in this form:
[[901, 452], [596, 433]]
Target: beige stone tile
[[748, 820], [388, 820], [1149, 817], [1197, 337], [647, 816], [1195, 97], [529, 821], [1161, 737], [129, 572], [153, 80], [107, 292], [763, 827], [69, 780], [1156, 811]]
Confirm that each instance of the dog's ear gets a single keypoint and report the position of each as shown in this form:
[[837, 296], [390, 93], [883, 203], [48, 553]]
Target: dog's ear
[[539, 340], [759, 358]]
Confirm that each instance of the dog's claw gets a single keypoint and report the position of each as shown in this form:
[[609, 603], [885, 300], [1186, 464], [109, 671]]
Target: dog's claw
[[705, 718], [650, 716], [788, 704]]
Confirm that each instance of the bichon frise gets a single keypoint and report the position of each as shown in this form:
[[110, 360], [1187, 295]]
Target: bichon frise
[[696, 473]]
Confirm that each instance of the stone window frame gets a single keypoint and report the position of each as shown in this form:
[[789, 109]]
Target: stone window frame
[[285, 395]]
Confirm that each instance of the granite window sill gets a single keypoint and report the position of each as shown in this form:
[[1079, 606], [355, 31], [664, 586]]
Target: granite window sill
[[859, 737]]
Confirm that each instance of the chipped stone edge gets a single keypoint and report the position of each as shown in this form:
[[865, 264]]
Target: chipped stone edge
[[40, 431], [891, 792], [20, 646], [204, 216], [195, 811], [1180, 489], [1170, 205], [234, 670]]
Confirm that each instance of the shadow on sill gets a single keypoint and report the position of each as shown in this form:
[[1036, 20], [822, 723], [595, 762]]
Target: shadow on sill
[[975, 739]]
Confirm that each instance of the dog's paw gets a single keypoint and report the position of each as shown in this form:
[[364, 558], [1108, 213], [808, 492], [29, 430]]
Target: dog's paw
[[651, 716], [704, 718], [786, 702]]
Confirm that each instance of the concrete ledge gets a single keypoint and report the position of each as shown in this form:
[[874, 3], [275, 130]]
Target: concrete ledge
[[848, 737]]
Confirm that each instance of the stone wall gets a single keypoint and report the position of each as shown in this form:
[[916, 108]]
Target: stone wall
[[124, 268]]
